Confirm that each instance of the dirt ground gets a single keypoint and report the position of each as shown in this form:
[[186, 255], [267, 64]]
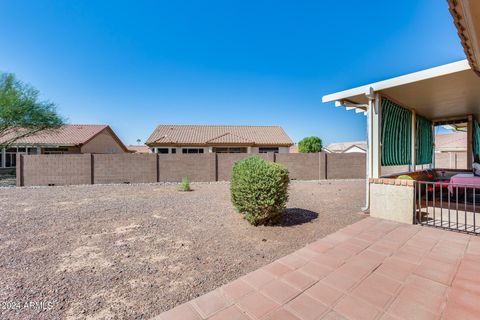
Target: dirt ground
[[133, 251]]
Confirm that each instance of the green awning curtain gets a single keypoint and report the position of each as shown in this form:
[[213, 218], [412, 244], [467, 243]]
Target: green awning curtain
[[424, 141], [476, 141], [396, 134]]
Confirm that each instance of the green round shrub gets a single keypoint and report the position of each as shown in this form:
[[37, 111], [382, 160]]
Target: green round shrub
[[259, 190], [404, 177]]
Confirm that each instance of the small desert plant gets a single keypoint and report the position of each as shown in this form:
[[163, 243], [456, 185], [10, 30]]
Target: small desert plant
[[259, 190], [184, 185]]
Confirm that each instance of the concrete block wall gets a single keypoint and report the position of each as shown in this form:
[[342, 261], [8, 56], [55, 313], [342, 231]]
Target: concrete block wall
[[301, 166], [225, 162], [44, 170], [197, 167], [346, 165], [451, 160], [390, 170], [38, 170], [124, 168]]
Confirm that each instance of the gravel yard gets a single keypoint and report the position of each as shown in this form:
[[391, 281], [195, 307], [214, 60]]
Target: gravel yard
[[133, 251], [7, 181]]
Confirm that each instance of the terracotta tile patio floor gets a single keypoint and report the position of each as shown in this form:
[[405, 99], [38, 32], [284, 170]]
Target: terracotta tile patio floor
[[373, 269]]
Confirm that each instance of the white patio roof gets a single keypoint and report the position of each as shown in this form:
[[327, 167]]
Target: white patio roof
[[446, 91]]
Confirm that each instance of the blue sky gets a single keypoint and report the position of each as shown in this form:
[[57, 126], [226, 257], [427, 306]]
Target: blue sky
[[137, 64]]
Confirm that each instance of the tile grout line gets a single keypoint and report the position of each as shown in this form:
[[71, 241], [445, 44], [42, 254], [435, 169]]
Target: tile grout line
[[457, 267], [383, 311]]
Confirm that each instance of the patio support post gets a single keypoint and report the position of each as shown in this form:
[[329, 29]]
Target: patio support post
[[470, 142], [413, 165], [374, 137], [432, 165], [373, 142], [369, 157]]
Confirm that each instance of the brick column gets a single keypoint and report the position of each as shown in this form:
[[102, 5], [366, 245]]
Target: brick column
[[270, 156], [92, 169], [216, 166], [157, 159], [322, 166], [213, 166], [19, 170]]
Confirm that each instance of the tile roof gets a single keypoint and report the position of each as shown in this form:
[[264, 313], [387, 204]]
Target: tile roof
[[465, 17], [66, 135], [138, 148], [215, 135], [343, 146]]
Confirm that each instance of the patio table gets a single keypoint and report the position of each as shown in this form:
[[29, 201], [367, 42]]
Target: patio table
[[467, 179]]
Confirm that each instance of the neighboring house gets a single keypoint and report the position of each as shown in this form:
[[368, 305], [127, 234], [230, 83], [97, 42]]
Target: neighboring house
[[451, 150], [138, 149], [347, 147], [70, 138], [220, 139]]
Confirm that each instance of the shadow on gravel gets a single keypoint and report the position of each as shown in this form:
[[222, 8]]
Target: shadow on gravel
[[296, 216]]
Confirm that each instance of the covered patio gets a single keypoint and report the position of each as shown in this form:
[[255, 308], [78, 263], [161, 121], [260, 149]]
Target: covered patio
[[402, 114], [404, 184]]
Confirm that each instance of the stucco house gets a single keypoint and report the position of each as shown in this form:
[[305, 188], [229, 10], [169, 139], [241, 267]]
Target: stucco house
[[69, 138], [347, 147], [185, 139]]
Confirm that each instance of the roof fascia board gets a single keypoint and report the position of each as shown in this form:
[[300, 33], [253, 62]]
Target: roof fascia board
[[354, 146], [463, 12], [230, 144], [398, 81], [44, 145]]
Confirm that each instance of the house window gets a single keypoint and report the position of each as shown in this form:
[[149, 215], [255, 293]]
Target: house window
[[174, 150], [192, 150], [230, 150], [162, 150], [268, 150], [55, 150], [11, 158]]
